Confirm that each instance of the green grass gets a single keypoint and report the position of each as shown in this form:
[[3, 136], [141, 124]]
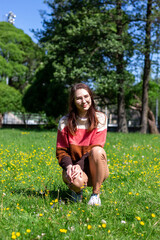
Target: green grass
[[35, 202]]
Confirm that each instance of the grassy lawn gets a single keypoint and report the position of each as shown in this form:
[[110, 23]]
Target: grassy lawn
[[35, 203]]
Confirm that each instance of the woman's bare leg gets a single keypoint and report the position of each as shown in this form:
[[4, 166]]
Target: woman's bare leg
[[98, 168]]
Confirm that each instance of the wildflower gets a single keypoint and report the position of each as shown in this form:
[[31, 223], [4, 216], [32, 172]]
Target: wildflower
[[153, 215], [63, 230], [142, 223], [28, 230], [41, 214], [87, 220], [104, 225], [109, 231], [130, 193], [103, 221], [56, 200], [18, 234], [123, 221], [89, 227], [13, 235], [72, 228], [138, 218]]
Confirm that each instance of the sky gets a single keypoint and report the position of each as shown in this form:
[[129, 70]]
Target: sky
[[27, 14]]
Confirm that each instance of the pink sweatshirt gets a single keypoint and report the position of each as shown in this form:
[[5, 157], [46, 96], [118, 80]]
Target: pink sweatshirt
[[72, 149]]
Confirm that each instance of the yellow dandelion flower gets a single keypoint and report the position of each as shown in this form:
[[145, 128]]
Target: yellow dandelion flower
[[142, 223], [109, 231], [89, 227], [104, 225], [41, 214], [153, 215], [13, 237], [28, 230], [130, 193], [56, 200], [63, 230], [18, 234], [138, 218]]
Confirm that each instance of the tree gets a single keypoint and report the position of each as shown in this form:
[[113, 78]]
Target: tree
[[83, 45], [147, 68], [120, 68], [46, 94], [145, 27], [134, 102], [19, 56], [10, 100]]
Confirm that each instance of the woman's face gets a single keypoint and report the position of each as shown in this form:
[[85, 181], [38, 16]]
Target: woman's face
[[82, 101]]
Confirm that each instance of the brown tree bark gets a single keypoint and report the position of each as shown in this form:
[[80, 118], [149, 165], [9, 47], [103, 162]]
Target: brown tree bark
[[1, 118], [151, 122], [147, 67], [122, 122]]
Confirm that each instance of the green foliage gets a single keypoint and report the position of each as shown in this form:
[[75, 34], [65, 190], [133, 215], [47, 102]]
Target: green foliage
[[19, 55], [35, 203], [107, 90], [82, 44], [10, 99], [46, 94], [153, 93]]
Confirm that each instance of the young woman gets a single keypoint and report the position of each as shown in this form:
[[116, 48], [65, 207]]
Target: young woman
[[80, 141]]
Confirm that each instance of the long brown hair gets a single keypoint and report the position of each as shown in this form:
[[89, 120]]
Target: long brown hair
[[73, 113]]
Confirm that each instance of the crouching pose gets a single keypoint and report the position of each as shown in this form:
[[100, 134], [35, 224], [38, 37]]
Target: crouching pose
[[80, 141]]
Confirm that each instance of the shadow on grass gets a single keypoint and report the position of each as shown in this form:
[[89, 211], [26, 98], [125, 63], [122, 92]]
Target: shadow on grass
[[60, 194]]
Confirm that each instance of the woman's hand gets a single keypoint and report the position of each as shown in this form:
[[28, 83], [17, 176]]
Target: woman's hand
[[73, 171], [76, 170]]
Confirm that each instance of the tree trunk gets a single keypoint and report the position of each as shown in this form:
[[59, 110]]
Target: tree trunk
[[150, 116], [122, 122], [1, 118], [147, 66], [152, 123]]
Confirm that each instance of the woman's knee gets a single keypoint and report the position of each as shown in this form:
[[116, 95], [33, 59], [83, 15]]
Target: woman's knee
[[97, 153]]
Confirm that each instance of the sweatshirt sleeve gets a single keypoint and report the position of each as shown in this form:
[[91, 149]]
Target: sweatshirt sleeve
[[62, 148]]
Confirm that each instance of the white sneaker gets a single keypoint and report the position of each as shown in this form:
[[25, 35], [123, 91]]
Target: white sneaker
[[95, 200], [77, 197]]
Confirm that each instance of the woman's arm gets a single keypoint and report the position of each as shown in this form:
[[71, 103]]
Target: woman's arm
[[62, 148]]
